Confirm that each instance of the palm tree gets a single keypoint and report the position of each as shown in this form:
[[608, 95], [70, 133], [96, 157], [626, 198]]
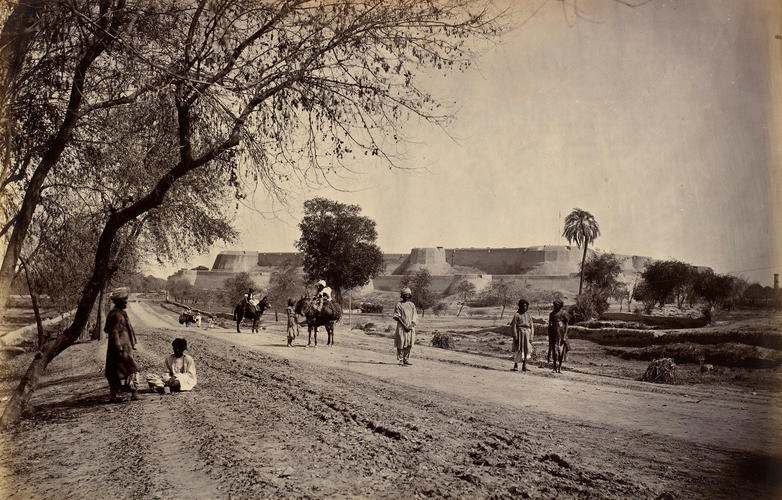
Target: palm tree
[[581, 227]]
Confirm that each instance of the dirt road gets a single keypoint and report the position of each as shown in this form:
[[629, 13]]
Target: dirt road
[[347, 421]]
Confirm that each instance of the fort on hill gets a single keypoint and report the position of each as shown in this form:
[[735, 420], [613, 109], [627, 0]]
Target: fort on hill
[[547, 267]]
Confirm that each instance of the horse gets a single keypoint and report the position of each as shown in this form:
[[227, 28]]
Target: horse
[[329, 314], [188, 317], [246, 310]]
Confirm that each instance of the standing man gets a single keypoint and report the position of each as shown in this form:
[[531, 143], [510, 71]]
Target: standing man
[[406, 317], [121, 369], [523, 330], [293, 327], [558, 320]]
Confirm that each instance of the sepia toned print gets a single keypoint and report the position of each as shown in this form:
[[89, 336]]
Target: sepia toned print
[[539, 240]]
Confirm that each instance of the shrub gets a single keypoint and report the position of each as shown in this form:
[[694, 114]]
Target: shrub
[[369, 307], [590, 304], [661, 371], [442, 340], [440, 308]]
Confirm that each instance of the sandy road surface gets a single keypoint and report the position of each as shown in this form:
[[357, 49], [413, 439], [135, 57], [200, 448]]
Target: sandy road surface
[[730, 418], [267, 420]]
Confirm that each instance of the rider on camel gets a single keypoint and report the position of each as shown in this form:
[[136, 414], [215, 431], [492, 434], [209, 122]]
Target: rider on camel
[[322, 295]]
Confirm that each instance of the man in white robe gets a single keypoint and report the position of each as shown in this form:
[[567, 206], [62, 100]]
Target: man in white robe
[[180, 371], [406, 317]]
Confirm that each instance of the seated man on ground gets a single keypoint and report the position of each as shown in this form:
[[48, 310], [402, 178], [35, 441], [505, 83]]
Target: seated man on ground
[[180, 371]]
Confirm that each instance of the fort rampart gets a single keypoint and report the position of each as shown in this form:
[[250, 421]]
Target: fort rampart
[[552, 267]]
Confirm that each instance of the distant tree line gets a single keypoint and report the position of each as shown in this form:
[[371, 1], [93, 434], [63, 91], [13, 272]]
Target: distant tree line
[[666, 282]]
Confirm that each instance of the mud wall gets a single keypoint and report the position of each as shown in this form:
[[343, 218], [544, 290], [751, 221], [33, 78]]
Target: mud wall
[[237, 262], [215, 280], [278, 259], [395, 263], [537, 260], [565, 284], [440, 284]]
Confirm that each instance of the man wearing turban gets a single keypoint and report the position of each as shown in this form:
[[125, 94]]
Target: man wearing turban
[[406, 318]]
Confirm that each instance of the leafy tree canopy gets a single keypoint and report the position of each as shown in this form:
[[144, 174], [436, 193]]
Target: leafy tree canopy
[[235, 287], [420, 284], [662, 277], [582, 228], [285, 283], [338, 245], [601, 273]]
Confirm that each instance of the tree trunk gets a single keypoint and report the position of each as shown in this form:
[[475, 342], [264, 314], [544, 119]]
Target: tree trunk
[[36, 310], [460, 309], [99, 279], [583, 259], [503, 311], [101, 269], [48, 161], [337, 295], [96, 331]]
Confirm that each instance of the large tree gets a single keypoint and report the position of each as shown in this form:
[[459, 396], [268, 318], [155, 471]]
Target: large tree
[[236, 287], [420, 284], [601, 273], [663, 278], [338, 244], [285, 283], [503, 293], [581, 228], [465, 291], [240, 92]]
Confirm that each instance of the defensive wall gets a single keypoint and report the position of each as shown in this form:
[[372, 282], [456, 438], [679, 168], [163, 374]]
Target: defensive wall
[[446, 284], [213, 280], [548, 260], [550, 267]]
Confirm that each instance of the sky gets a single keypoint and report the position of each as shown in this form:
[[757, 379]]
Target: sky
[[657, 119]]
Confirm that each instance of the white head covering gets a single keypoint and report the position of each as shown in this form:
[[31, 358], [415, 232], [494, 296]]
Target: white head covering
[[407, 291], [119, 294], [322, 283]]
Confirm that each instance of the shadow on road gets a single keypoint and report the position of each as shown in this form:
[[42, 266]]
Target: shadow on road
[[371, 362]]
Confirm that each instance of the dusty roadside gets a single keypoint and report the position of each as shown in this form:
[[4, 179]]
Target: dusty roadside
[[264, 421]]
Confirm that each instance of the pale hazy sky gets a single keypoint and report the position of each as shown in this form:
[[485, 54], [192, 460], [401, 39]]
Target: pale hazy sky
[[658, 120]]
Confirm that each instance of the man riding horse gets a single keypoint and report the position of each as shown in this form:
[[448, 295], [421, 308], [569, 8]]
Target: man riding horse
[[251, 308], [250, 299]]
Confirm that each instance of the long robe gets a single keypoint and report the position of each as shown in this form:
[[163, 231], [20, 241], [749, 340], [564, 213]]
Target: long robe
[[183, 369], [406, 317], [523, 330], [119, 354]]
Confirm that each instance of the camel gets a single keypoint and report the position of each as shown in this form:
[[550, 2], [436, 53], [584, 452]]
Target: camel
[[330, 313]]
